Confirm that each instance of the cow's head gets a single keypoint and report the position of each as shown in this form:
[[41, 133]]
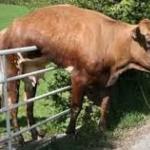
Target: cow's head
[[140, 46], [142, 33]]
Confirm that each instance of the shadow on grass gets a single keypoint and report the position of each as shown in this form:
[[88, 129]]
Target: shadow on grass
[[88, 137], [128, 99], [83, 141]]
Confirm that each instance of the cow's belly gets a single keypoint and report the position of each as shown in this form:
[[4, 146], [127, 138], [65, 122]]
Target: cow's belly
[[100, 78]]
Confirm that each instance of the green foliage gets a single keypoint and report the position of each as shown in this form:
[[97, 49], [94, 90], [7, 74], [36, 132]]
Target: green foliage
[[131, 120], [126, 10], [60, 79], [130, 10]]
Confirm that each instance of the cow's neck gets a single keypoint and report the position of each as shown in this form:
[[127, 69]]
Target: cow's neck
[[122, 64]]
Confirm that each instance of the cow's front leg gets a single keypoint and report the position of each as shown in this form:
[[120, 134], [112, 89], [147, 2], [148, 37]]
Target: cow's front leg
[[30, 91], [104, 107], [78, 90], [13, 97]]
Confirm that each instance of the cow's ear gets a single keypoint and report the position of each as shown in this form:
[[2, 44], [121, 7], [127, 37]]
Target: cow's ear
[[135, 33], [142, 29], [144, 26]]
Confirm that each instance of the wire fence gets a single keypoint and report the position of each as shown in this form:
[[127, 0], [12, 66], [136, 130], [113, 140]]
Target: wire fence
[[6, 109]]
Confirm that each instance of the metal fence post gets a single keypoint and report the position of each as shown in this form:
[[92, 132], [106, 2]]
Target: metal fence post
[[7, 109], [5, 98]]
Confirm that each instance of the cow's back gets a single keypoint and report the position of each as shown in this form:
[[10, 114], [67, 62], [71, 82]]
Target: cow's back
[[67, 34]]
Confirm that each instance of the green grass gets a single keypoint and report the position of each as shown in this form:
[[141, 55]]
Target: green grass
[[10, 12], [128, 108]]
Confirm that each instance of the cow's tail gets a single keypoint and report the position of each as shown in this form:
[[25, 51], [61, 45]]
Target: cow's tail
[[27, 65], [2, 38]]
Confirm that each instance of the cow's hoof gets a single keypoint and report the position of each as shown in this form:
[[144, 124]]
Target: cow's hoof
[[34, 134], [41, 134], [37, 135], [72, 134], [70, 131], [102, 126], [20, 140]]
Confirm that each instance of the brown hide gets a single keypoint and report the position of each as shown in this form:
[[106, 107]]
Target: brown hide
[[97, 47], [71, 36], [84, 39]]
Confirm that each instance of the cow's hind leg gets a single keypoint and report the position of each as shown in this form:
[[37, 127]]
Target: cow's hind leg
[[78, 90], [105, 104], [13, 97], [30, 91]]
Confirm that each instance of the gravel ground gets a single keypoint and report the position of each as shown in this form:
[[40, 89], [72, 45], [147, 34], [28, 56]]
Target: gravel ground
[[136, 139], [142, 144]]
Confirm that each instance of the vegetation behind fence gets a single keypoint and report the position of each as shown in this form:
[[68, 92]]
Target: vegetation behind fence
[[127, 10]]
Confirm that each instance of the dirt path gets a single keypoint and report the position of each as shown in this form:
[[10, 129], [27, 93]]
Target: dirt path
[[136, 139]]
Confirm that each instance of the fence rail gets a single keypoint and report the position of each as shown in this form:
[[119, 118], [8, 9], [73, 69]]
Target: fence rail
[[18, 50], [51, 118], [28, 74], [6, 109]]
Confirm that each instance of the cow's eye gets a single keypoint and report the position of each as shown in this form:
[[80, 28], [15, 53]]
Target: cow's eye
[[148, 42]]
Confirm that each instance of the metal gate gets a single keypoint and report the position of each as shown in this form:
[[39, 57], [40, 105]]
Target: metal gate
[[6, 109]]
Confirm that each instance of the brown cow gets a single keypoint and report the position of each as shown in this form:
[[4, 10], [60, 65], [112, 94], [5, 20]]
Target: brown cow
[[96, 47]]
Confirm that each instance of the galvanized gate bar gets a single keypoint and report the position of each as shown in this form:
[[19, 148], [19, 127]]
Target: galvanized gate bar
[[5, 97], [7, 109], [17, 50], [4, 109], [27, 74], [51, 118], [30, 74]]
